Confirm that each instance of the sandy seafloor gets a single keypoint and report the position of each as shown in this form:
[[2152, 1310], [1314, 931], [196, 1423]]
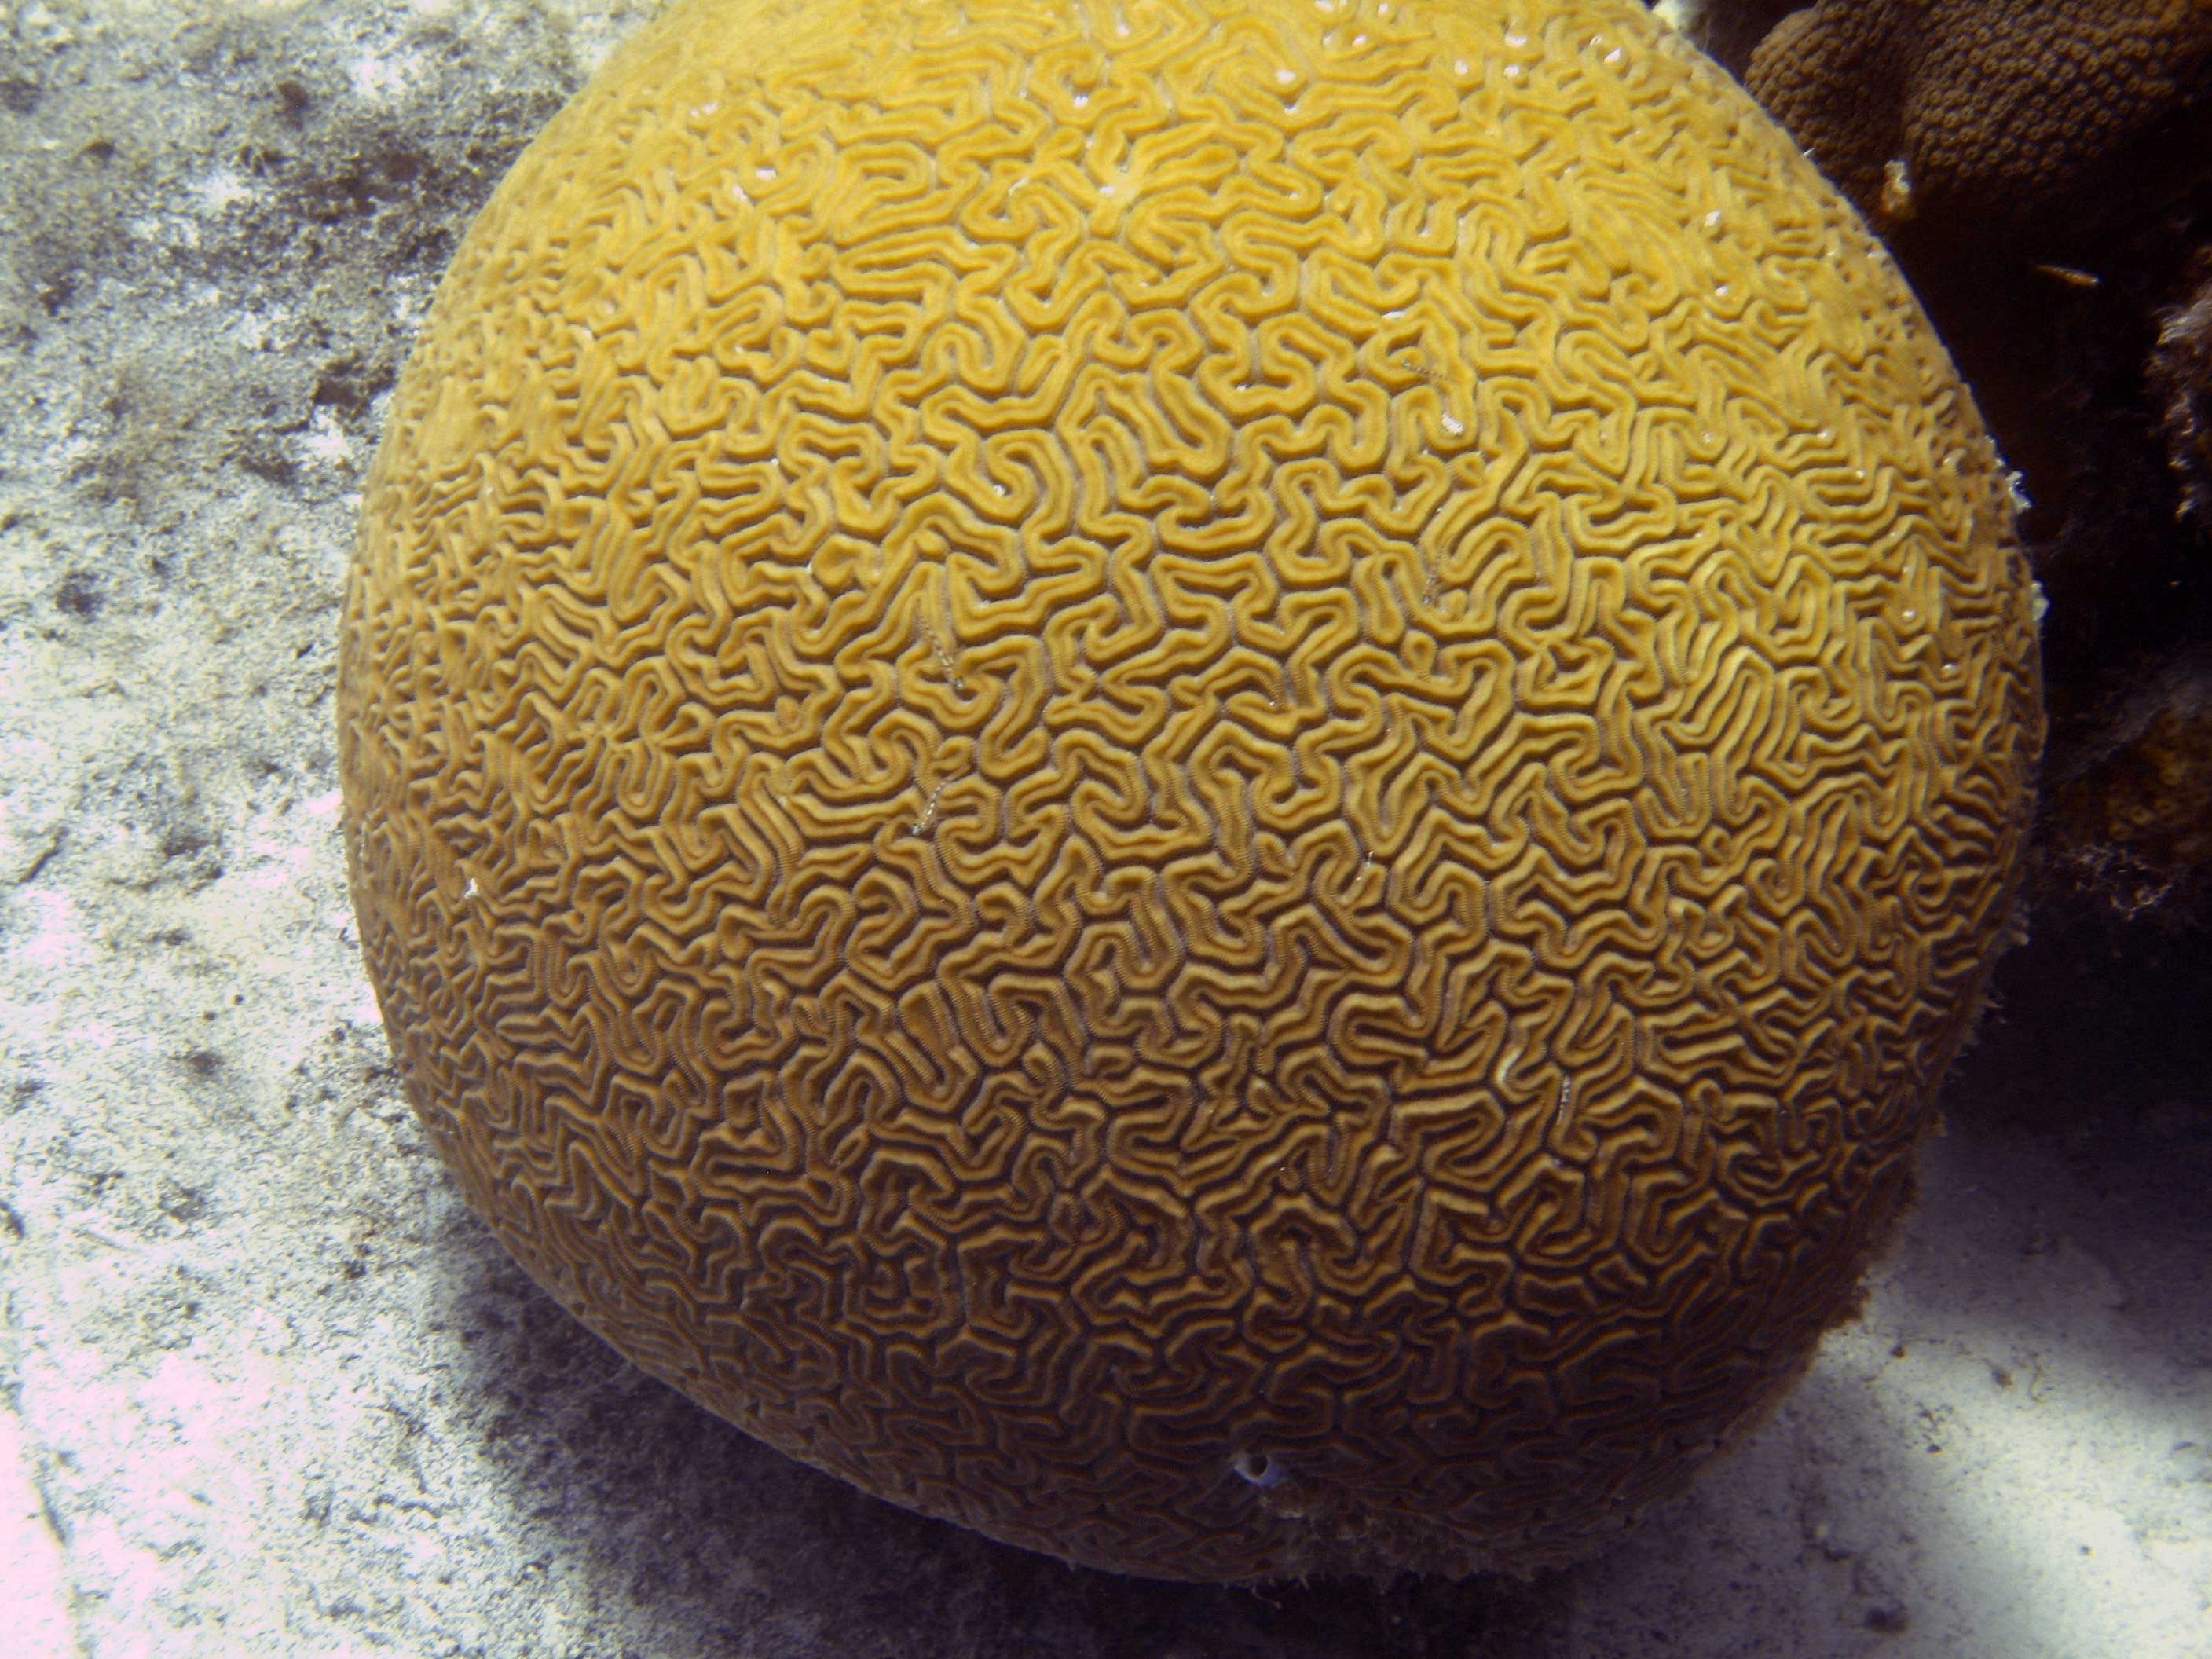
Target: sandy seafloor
[[265, 1388]]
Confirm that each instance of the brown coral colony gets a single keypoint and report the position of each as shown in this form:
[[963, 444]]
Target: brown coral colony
[[2000, 113], [1211, 782]]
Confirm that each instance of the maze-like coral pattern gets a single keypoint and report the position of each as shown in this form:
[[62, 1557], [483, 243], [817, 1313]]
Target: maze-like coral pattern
[[1212, 780]]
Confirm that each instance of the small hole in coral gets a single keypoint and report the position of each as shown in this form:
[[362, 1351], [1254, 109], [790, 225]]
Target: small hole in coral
[[1257, 1468]]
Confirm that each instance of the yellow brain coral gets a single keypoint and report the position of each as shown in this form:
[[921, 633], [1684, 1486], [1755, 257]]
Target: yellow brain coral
[[1211, 781]]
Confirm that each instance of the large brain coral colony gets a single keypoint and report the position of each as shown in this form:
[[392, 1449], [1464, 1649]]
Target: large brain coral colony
[[1213, 782]]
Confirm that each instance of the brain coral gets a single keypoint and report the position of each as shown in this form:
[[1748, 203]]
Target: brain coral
[[1211, 781]]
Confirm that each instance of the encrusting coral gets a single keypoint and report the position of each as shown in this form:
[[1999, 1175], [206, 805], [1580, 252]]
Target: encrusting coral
[[1214, 783]]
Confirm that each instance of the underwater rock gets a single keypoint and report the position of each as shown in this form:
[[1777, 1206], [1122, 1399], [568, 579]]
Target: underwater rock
[[2136, 827]]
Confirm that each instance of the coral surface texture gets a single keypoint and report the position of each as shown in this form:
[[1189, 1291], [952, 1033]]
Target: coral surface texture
[[1211, 781], [1994, 112]]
